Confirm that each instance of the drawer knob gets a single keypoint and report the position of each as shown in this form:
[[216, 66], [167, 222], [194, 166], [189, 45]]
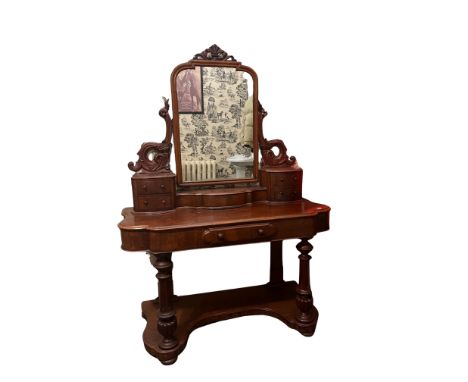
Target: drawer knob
[[145, 187], [261, 232], [221, 236], [145, 202], [163, 201], [163, 186]]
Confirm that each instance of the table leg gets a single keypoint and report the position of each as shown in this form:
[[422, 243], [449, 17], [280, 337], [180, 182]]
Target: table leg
[[304, 300], [167, 322], [276, 262]]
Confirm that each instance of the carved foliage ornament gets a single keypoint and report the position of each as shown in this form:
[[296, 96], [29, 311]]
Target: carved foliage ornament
[[152, 158], [214, 53]]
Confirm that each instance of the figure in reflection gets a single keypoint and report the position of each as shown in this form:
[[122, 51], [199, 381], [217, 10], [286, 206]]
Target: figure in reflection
[[223, 130], [189, 91]]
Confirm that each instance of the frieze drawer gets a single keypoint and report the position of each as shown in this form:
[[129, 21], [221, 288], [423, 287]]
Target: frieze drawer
[[239, 233]]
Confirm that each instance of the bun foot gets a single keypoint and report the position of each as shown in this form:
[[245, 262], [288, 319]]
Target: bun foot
[[307, 332], [307, 329], [169, 361]]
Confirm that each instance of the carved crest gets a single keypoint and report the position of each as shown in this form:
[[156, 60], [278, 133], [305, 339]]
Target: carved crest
[[214, 53]]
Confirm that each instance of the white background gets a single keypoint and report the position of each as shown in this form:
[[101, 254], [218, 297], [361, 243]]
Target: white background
[[370, 96]]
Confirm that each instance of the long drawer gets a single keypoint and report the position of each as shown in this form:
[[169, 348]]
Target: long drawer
[[233, 234]]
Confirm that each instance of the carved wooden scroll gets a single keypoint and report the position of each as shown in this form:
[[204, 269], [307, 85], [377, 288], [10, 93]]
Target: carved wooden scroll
[[269, 158], [153, 157]]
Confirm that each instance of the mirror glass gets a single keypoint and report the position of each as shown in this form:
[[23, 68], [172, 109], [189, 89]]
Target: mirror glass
[[215, 122]]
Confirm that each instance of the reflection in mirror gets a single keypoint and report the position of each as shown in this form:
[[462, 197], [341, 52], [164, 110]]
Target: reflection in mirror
[[215, 123]]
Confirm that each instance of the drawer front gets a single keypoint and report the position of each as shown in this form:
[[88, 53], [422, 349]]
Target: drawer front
[[154, 186], [285, 195], [232, 234], [154, 203], [287, 180]]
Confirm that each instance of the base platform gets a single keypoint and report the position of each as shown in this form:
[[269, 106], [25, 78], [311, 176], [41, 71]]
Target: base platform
[[193, 311]]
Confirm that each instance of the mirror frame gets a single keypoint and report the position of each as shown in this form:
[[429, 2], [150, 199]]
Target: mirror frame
[[205, 60]]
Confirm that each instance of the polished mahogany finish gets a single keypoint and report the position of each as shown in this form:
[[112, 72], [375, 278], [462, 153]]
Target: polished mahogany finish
[[190, 228], [197, 310], [153, 192], [221, 197], [282, 184], [167, 320], [169, 215]]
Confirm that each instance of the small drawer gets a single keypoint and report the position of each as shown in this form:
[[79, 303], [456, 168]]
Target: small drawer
[[154, 186], [285, 195], [239, 233], [286, 179], [154, 203]]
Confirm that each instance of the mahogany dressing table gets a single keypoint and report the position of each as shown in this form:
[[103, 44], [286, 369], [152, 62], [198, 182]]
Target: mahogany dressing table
[[220, 195]]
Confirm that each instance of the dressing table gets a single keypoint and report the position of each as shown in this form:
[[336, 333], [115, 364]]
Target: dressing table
[[232, 186]]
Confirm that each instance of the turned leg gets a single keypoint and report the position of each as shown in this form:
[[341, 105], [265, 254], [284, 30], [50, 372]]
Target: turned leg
[[276, 262], [306, 313], [167, 322]]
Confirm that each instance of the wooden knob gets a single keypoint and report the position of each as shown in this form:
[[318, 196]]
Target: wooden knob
[[220, 236], [261, 232], [163, 201], [145, 202], [163, 186], [145, 187]]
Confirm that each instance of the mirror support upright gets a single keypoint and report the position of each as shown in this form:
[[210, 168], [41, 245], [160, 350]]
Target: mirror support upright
[[279, 173], [153, 184]]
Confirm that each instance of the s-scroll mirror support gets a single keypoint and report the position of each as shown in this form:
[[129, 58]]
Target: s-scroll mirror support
[[164, 113], [153, 157]]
